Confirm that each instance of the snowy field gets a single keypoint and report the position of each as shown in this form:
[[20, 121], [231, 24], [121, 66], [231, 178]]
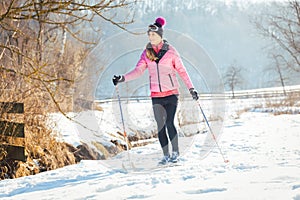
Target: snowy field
[[263, 152]]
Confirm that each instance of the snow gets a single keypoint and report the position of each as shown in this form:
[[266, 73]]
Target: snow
[[262, 148]]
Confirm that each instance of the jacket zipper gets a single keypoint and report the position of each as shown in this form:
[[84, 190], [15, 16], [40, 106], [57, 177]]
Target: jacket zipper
[[171, 80], [158, 77]]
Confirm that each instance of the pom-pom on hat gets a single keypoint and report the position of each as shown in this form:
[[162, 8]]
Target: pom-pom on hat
[[160, 21], [157, 26]]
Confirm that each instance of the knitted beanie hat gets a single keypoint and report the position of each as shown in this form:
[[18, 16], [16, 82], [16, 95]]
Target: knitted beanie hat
[[157, 26]]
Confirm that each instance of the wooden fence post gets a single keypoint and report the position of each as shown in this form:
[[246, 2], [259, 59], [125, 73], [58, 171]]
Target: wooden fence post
[[12, 134]]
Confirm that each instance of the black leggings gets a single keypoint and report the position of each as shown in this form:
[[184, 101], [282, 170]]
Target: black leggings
[[164, 112]]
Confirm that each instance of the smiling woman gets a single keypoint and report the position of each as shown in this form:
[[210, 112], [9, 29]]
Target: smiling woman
[[163, 63], [199, 66]]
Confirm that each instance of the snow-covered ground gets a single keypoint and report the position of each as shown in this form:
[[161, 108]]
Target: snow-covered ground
[[263, 152]]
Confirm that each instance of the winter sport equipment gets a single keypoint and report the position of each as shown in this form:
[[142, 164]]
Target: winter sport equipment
[[158, 26], [169, 160], [194, 93], [164, 160], [122, 117], [123, 124], [174, 157], [211, 132], [169, 163], [117, 79], [152, 27]]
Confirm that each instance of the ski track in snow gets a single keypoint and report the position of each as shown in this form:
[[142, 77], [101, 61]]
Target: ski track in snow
[[264, 164]]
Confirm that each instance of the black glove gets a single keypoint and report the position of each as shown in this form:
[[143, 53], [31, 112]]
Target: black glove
[[118, 79], [194, 94]]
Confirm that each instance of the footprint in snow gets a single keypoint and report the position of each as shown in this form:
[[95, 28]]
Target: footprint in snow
[[208, 190]]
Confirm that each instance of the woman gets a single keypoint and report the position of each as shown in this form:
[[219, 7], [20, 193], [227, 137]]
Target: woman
[[162, 62]]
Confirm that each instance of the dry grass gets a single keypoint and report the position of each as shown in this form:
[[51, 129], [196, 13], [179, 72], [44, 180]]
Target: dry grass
[[287, 105], [292, 99], [106, 154], [42, 150]]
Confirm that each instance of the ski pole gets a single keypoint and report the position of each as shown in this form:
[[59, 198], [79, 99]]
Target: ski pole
[[211, 132], [124, 130], [122, 118]]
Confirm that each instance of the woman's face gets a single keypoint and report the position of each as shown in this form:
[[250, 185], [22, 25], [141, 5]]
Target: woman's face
[[154, 38]]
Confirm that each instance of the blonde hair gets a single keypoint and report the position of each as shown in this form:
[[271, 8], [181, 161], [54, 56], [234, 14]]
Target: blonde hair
[[151, 54]]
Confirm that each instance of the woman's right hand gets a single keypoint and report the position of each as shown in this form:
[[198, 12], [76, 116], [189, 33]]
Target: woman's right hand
[[118, 79]]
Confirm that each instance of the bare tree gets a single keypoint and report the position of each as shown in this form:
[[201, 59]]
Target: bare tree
[[42, 40], [233, 78], [279, 66], [282, 25]]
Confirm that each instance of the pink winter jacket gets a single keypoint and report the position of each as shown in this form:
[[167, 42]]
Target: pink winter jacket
[[162, 76]]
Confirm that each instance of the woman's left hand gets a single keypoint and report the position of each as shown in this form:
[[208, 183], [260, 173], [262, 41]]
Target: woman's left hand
[[194, 94]]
